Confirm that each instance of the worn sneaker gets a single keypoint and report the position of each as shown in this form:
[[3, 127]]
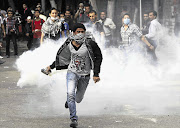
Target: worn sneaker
[[66, 105], [74, 123], [1, 57]]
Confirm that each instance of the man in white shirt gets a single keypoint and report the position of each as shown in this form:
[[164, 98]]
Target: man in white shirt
[[108, 27], [154, 33]]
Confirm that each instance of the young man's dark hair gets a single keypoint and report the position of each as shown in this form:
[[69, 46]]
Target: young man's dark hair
[[36, 10], [11, 11], [61, 13], [104, 12], [93, 11], [146, 13], [53, 9], [127, 15], [78, 25], [154, 13], [87, 5]]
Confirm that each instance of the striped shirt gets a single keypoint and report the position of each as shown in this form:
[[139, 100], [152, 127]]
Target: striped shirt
[[10, 24], [130, 35]]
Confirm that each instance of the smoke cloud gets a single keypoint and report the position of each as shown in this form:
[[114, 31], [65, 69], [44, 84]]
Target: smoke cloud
[[129, 84]]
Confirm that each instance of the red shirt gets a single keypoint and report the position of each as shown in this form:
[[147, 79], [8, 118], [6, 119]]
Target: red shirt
[[36, 25]]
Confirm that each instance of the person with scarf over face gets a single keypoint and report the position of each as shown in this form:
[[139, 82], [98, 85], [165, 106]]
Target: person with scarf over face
[[52, 27], [79, 54]]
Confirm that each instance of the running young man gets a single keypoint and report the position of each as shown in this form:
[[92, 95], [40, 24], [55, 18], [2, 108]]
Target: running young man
[[79, 54]]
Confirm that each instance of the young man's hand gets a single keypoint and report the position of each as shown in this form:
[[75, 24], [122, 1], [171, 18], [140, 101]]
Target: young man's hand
[[96, 79], [4, 34], [27, 34], [48, 68], [11, 30], [106, 26], [151, 47]]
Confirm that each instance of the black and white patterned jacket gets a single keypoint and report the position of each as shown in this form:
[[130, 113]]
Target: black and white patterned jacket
[[63, 56]]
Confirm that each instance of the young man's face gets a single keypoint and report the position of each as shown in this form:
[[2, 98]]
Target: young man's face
[[87, 9], [28, 20], [24, 6], [146, 17], [38, 8], [36, 14], [67, 7], [10, 14], [81, 6], [79, 30], [103, 15], [92, 17], [62, 16], [53, 13], [151, 16], [67, 14]]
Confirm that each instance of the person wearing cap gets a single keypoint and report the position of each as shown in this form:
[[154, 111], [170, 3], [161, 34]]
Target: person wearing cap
[[79, 54], [29, 34]]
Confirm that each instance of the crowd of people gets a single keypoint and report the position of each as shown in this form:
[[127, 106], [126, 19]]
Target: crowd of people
[[80, 53], [35, 26]]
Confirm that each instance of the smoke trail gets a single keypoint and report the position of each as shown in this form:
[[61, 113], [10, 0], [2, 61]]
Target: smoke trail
[[134, 87]]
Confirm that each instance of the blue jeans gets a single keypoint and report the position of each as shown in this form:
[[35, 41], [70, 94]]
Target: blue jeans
[[76, 87]]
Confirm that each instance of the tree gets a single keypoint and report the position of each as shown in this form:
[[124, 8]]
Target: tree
[[53, 3], [43, 5], [59, 4], [11, 3], [111, 8], [94, 5]]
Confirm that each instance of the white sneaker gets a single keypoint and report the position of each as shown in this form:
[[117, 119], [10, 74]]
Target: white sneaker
[[1, 57]]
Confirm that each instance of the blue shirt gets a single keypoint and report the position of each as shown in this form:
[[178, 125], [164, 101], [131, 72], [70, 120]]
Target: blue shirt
[[66, 29]]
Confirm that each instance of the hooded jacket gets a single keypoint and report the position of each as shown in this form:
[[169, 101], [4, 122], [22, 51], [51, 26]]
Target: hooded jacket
[[63, 56]]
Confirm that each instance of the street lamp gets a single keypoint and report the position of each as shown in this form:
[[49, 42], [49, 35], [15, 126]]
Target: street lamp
[[140, 14]]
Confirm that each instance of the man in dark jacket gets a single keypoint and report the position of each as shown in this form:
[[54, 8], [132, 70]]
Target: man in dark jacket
[[28, 30], [146, 24], [69, 19], [79, 54], [97, 26], [27, 12]]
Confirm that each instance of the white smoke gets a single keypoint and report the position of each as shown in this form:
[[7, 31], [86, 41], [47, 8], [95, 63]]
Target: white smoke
[[132, 87]]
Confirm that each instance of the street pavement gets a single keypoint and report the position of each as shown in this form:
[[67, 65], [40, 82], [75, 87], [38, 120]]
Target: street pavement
[[15, 111]]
